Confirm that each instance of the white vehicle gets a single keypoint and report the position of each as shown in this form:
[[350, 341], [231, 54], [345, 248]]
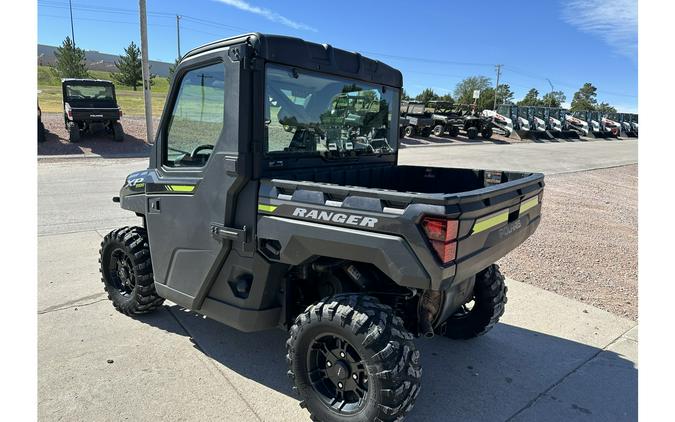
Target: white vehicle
[[505, 124], [576, 124]]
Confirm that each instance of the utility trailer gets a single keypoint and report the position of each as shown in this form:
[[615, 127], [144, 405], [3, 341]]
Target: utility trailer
[[418, 120], [263, 206]]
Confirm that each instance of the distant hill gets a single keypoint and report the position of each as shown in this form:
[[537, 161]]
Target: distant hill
[[97, 61]]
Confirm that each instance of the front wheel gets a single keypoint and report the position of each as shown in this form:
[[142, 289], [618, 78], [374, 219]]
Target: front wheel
[[351, 359], [472, 132], [409, 131], [482, 311], [487, 133], [126, 271], [438, 130]]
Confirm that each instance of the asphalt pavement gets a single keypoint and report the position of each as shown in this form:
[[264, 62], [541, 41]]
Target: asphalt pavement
[[550, 358]]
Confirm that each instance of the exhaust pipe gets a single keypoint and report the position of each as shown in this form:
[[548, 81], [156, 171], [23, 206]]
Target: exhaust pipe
[[427, 310]]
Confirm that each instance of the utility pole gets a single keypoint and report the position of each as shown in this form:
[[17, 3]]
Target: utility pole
[[498, 67], [146, 72], [72, 28], [178, 34]]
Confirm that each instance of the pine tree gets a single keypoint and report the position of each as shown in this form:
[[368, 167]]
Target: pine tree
[[130, 67], [70, 61]]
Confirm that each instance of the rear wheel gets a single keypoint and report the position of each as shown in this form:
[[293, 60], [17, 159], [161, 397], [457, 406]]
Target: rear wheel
[[487, 133], [351, 359], [409, 131], [483, 310], [118, 132], [126, 271], [438, 130], [472, 132], [73, 132]]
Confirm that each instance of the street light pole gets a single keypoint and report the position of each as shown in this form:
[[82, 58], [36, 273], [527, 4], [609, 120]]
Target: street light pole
[[146, 72]]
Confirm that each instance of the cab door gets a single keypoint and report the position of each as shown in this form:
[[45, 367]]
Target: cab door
[[195, 164]]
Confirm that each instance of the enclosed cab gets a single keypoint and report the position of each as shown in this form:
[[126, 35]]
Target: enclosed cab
[[419, 121], [274, 198], [90, 106]]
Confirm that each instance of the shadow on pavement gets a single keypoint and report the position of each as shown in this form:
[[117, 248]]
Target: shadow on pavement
[[510, 373]]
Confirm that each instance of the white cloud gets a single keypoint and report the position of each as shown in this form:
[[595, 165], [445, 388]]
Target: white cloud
[[614, 21], [267, 14]]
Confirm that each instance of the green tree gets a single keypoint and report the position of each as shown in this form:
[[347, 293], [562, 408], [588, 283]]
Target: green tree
[[70, 61], [504, 94], [130, 67], [447, 98], [464, 90], [172, 69], [584, 98], [427, 95], [404, 94], [605, 108], [531, 98], [553, 99]]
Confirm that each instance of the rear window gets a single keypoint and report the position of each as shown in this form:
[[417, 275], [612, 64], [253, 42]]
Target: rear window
[[89, 92]]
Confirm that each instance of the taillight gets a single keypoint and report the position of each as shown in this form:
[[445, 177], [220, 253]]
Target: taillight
[[442, 234], [69, 112]]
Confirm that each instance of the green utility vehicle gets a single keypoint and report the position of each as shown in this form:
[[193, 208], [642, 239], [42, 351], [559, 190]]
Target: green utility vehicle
[[274, 198]]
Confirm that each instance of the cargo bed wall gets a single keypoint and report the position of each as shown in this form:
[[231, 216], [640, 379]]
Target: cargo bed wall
[[396, 178]]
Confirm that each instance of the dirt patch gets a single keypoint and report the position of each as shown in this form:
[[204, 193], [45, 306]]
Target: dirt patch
[[102, 143], [586, 245]]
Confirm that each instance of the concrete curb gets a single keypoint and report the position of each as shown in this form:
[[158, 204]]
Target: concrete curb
[[45, 158]]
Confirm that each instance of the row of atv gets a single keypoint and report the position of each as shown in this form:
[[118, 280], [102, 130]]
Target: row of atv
[[536, 122], [441, 118]]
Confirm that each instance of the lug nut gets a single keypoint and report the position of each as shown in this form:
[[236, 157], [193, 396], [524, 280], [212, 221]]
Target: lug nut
[[342, 354], [328, 364], [339, 385]]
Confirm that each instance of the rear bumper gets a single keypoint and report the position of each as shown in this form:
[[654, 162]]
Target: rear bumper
[[95, 115]]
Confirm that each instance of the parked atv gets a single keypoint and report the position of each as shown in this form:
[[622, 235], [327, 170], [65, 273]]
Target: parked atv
[[418, 120], [90, 106], [473, 123], [262, 212], [444, 117]]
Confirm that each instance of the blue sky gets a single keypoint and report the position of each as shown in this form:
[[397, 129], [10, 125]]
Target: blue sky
[[435, 43]]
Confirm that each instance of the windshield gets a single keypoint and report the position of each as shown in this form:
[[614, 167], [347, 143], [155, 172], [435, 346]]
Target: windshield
[[89, 92], [313, 113]]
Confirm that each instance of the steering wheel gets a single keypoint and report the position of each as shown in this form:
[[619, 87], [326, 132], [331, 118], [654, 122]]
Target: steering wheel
[[199, 149]]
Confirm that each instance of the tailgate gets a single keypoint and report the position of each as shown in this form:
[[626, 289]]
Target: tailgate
[[96, 114]]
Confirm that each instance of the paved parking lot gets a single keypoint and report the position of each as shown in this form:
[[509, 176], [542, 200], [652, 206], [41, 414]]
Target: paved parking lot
[[550, 359]]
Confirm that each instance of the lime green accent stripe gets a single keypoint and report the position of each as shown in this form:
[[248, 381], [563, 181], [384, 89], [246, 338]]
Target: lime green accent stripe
[[139, 185], [267, 208], [181, 188], [529, 204], [490, 222]]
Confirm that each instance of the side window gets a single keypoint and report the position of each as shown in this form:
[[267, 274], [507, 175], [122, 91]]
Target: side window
[[197, 117]]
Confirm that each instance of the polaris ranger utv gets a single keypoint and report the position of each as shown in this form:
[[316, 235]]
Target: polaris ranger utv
[[90, 105], [418, 120], [316, 230]]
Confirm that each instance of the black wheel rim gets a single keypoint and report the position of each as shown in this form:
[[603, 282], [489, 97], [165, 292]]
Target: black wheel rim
[[337, 373], [120, 272]]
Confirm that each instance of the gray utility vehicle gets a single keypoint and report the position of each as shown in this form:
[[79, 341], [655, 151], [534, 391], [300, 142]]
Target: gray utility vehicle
[[90, 105], [316, 230], [445, 118], [473, 122], [418, 120]]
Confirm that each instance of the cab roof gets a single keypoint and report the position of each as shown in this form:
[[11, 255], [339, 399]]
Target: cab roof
[[296, 52], [85, 81]]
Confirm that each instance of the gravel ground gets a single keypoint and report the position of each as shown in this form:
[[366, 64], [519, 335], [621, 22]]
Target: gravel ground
[[586, 245], [102, 144]]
